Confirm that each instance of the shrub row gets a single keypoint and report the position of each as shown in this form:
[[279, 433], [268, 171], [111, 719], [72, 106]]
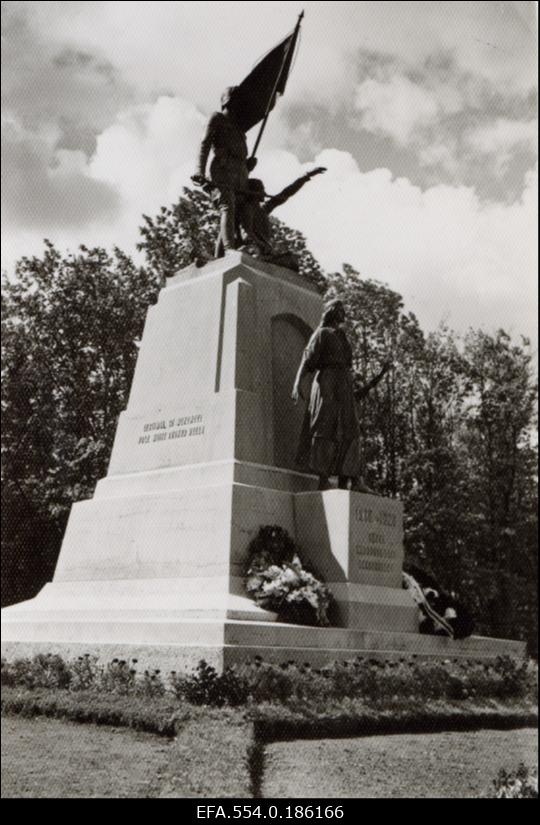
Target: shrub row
[[256, 682], [158, 716], [353, 717]]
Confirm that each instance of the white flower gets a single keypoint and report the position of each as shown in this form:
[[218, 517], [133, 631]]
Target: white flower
[[312, 599], [290, 576], [270, 588], [288, 583]]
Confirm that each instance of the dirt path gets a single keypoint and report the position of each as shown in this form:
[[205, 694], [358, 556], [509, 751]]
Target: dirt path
[[47, 758], [439, 766]]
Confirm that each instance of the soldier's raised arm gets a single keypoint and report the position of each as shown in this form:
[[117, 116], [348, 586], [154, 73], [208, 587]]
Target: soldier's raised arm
[[292, 189]]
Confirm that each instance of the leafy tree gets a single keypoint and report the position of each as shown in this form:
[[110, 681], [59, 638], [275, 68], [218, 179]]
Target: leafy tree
[[501, 460], [70, 326], [435, 479], [294, 241], [180, 234]]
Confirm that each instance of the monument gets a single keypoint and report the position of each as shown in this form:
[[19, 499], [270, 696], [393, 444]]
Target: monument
[[152, 567]]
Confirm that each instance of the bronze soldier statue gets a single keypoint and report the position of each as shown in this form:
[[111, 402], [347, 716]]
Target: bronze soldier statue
[[254, 213], [253, 218], [329, 444], [230, 166]]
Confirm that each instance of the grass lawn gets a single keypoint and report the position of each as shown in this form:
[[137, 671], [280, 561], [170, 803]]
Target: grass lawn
[[48, 758], [438, 765], [57, 759]]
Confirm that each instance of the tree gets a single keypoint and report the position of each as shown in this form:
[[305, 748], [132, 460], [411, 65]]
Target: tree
[[500, 449], [434, 482], [70, 327], [180, 234], [294, 241]]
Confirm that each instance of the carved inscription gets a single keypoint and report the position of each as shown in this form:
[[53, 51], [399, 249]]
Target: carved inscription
[[372, 564], [170, 429], [378, 551], [384, 518]]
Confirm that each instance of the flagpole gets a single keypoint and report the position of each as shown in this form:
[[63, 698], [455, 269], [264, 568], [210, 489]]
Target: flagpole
[[294, 38]]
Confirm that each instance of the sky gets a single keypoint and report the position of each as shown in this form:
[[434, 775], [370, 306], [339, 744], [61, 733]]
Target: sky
[[424, 113]]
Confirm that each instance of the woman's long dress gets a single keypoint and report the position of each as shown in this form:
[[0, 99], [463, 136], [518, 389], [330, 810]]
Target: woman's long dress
[[329, 440]]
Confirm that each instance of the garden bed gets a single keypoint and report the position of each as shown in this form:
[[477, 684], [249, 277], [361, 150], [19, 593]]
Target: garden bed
[[219, 726], [357, 698], [271, 721]]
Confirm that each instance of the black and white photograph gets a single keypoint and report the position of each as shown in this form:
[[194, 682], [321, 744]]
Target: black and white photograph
[[269, 403]]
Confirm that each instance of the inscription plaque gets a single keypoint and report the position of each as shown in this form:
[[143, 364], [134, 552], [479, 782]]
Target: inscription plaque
[[376, 541], [187, 426]]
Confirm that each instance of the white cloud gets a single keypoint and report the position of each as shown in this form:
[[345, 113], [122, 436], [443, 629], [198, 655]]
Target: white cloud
[[419, 116], [46, 81], [503, 138], [43, 186], [452, 256], [193, 48], [75, 65], [144, 153], [443, 155], [396, 107], [144, 159]]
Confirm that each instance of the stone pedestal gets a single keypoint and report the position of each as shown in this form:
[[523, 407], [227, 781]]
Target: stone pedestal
[[153, 565], [355, 542]]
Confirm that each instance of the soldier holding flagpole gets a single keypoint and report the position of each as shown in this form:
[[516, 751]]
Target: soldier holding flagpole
[[230, 166], [242, 107]]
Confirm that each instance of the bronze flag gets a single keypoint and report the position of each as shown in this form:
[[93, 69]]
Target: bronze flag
[[256, 96]]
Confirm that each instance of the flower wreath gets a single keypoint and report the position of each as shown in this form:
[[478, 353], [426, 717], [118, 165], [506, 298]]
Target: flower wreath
[[277, 581]]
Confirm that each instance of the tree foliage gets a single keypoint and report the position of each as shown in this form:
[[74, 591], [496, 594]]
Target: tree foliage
[[501, 462], [70, 326], [180, 234], [450, 429]]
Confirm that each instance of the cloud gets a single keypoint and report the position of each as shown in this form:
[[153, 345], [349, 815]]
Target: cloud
[[192, 49], [45, 82], [503, 138], [399, 108], [148, 156], [451, 255], [43, 186], [411, 70], [452, 122], [442, 155], [141, 162]]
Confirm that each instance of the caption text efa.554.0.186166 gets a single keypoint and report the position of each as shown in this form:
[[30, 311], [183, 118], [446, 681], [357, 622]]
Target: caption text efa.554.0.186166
[[270, 812]]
